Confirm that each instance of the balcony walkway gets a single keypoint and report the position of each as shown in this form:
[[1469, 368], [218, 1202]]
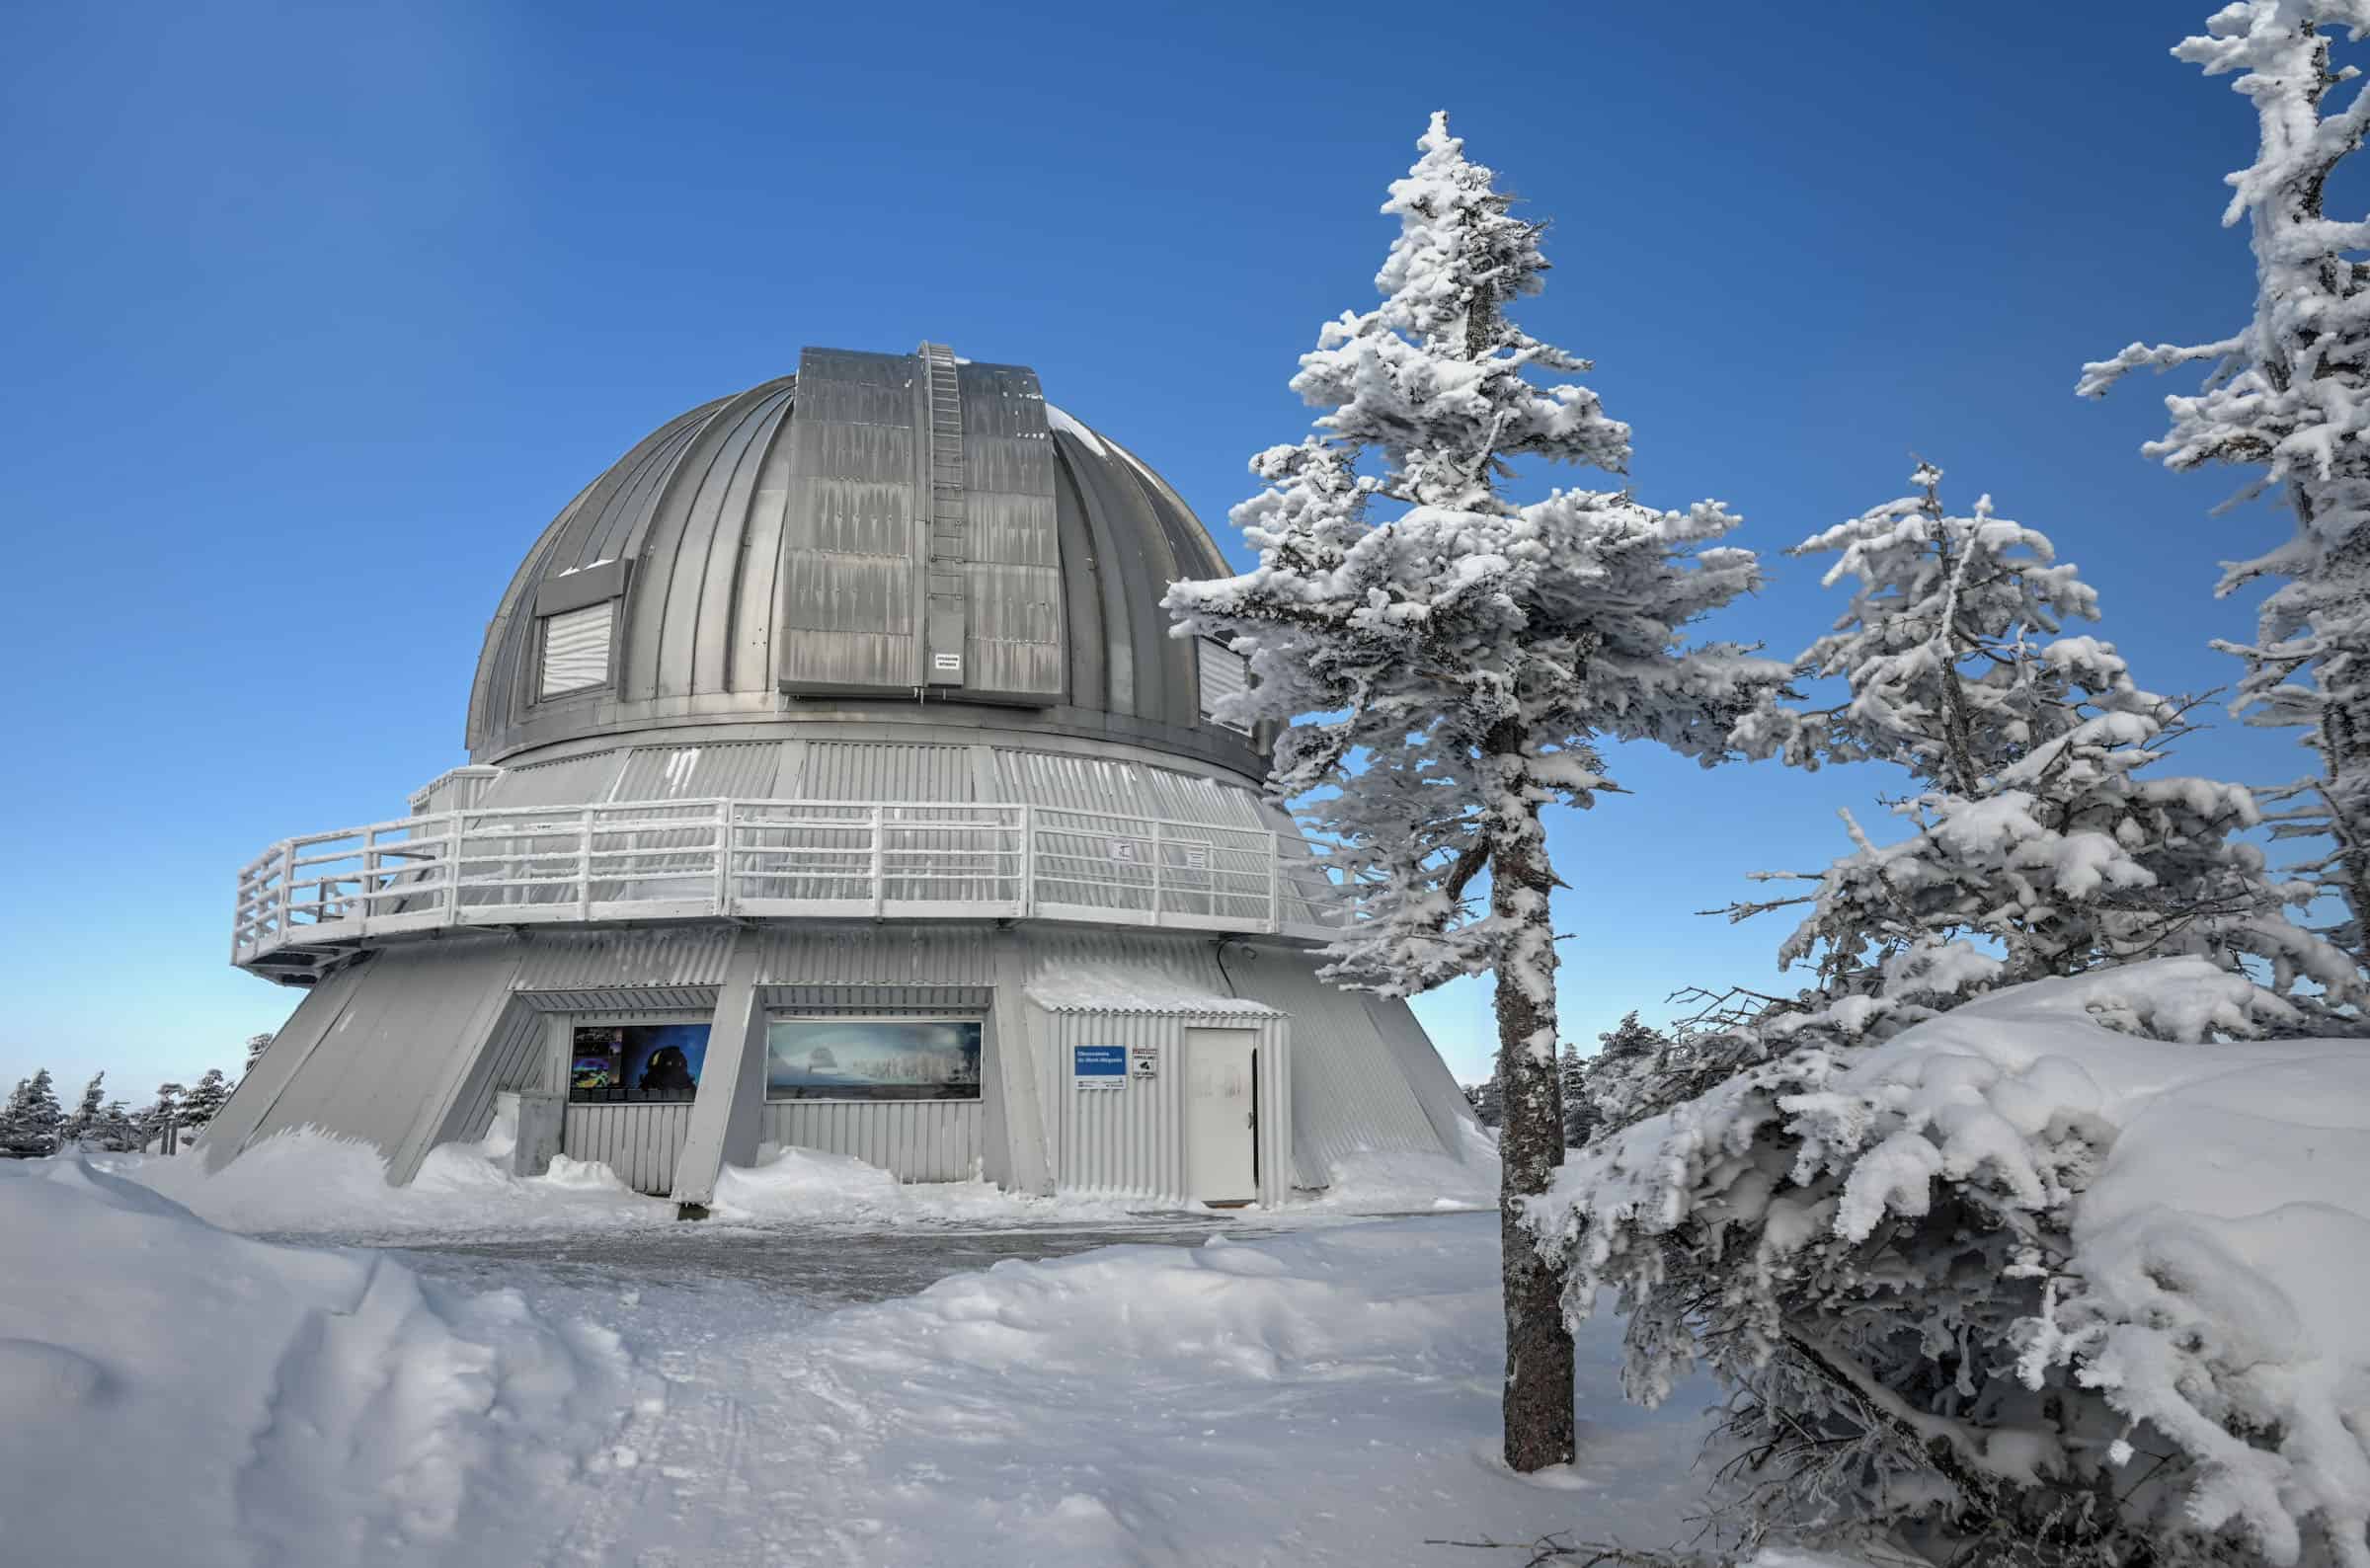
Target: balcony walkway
[[307, 904]]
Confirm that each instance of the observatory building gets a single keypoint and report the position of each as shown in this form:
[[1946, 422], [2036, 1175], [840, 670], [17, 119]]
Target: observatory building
[[834, 782]]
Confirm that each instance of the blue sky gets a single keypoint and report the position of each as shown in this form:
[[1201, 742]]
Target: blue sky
[[318, 314]]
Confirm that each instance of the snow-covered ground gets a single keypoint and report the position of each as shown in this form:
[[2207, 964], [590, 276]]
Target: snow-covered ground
[[1316, 1395]]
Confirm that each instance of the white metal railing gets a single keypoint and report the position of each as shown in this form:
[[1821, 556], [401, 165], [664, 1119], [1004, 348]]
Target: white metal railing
[[702, 859]]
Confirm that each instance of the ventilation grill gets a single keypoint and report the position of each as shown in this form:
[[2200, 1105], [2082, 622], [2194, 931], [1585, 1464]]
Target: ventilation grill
[[576, 649], [1224, 673]]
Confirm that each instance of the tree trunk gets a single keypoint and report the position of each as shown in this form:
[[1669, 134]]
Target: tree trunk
[[1538, 1346]]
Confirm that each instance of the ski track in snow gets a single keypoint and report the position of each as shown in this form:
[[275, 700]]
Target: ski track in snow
[[1327, 1397]]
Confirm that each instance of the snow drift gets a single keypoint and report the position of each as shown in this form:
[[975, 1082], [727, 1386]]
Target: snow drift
[[171, 1391], [2038, 1248]]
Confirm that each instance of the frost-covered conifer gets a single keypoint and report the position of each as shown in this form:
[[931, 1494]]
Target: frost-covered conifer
[[85, 1125], [2035, 847], [1578, 1114], [257, 1044], [1452, 658], [33, 1118], [211, 1093], [2288, 397]]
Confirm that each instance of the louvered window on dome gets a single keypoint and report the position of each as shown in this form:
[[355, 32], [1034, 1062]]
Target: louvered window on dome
[[1224, 673], [576, 649]]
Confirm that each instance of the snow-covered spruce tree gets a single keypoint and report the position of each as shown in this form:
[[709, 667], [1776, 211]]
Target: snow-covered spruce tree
[[257, 1044], [86, 1123], [1453, 666], [211, 1093], [1859, 1253], [1571, 1074], [34, 1116], [2036, 850], [2288, 397]]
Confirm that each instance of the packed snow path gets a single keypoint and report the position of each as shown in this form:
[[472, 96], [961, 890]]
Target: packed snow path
[[1327, 1397]]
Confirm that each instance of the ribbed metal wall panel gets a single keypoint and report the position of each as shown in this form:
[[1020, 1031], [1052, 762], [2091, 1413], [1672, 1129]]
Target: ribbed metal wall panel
[[734, 769], [640, 1142], [571, 781], [876, 771], [590, 959], [1106, 784], [282, 1061], [514, 1058], [915, 1141], [875, 955], [1351, 1088], [1350, 1093], [1128, 1140], [624, 999]]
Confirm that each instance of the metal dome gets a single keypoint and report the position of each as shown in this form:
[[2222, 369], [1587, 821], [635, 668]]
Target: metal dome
[[882, 535]]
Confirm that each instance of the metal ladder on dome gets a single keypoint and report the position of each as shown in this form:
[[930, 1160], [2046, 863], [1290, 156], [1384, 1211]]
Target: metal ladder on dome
[[945, 614]]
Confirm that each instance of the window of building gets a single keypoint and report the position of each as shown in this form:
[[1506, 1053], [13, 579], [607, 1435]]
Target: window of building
[[872, 1058], [619, 1062], [1224, 673], [576, 650]]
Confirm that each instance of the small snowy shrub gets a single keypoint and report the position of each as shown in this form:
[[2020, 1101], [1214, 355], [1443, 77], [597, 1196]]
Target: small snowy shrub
[[1880, 1247]]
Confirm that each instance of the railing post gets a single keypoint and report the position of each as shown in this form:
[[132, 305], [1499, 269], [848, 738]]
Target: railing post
[[1275, 881], [724, 857], [1026, 904], [287, 886], [453, 835], [584, 866], [880, 865], [1159, 863]]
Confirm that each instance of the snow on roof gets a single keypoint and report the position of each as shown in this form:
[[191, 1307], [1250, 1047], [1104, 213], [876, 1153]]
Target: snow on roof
[[1121, 988], [1069, 427]]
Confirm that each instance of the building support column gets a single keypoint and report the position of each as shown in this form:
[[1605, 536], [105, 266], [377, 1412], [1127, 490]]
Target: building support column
[[727, 1107], [1015, 1120]]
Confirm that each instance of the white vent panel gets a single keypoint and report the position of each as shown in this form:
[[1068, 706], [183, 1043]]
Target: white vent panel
[[576, 649], [1224, 673]]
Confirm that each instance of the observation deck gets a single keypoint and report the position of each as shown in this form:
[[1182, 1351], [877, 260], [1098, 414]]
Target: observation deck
[[307, 905]]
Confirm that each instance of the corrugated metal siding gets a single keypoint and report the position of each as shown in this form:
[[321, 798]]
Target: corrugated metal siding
[[850, 538], [577, 961], [1351, 1089], [1350, 1092], [868, 954], [514, 1058], [1129, 1140], [734, 769], [876, 771], [571, 781], [640, 1142], [915, 1141]]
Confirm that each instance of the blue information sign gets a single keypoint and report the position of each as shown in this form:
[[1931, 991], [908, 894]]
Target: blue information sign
[[1099, 1061]]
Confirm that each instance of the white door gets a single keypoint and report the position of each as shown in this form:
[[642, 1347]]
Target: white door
[[1220, 1120]]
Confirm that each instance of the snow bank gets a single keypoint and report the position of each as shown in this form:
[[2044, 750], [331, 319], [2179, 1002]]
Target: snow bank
[[169, 1391], [2197, 1211], [305, 1180], [810, 1185], [1393, 1182]]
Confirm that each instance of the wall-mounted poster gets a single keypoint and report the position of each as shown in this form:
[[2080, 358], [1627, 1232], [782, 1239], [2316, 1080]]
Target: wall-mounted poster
[[635, 1062], [872, 1058]]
